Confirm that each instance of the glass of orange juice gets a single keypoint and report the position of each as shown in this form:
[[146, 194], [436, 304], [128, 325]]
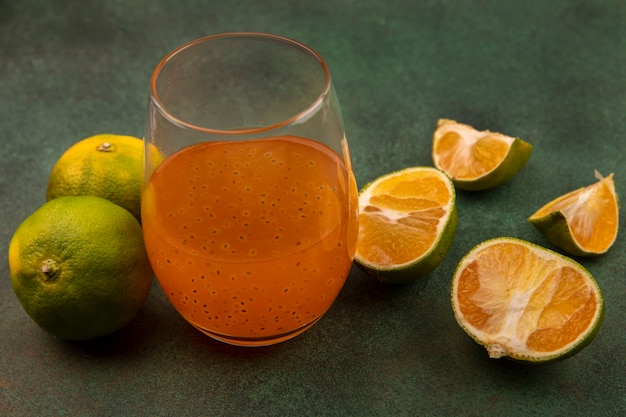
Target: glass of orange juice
[[249, 204]]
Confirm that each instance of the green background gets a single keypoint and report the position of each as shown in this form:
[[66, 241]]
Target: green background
[[551, 72]]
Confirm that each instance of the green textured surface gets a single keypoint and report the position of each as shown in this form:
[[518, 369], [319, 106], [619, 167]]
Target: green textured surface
[[551, 72]]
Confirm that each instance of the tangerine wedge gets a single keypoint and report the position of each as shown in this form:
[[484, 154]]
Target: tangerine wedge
[[583, 222], [477, 160]]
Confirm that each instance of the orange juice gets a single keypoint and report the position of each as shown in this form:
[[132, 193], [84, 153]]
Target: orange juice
[[251, 241]]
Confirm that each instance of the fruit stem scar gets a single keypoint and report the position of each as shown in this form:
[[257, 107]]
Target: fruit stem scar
[[105, 147], [50, 270], [496, 350]]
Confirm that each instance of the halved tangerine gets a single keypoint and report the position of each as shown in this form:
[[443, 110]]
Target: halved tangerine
[[407, 221], [525, 302]]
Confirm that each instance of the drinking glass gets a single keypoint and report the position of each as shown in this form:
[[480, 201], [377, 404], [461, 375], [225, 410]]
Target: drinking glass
[[249, 204]]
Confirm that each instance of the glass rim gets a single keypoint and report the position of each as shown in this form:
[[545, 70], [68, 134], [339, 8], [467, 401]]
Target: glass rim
[[302, 115]]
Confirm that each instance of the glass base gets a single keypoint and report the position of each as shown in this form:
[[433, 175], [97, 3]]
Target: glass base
[[255, 341]]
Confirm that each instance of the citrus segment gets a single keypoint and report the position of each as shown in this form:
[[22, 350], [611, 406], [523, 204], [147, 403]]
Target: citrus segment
[[525, 302], [582, 222], [106, 165], [79, 267], [407, 223], [477, 160]]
